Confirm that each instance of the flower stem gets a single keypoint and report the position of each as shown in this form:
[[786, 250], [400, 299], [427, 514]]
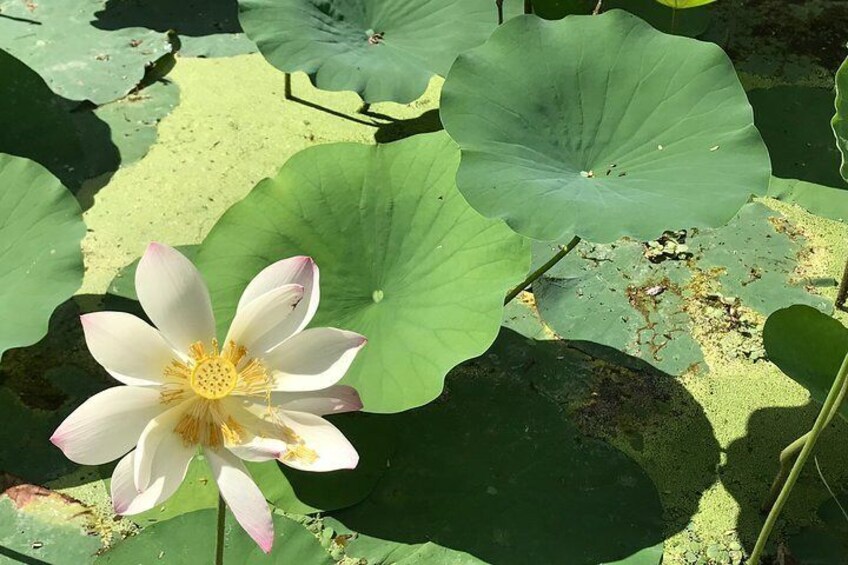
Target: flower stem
[[787, 456], [564, 250], [842, 293], [219, 544], [830, 405]]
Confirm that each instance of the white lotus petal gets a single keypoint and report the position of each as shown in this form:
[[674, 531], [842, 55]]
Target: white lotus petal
[[314, 359], [108, 424], [157, 444], [263, 323], [242, 496], [170, 473], [174, 296], [294, 270], [333, 400], [332, 448], [129, 348]]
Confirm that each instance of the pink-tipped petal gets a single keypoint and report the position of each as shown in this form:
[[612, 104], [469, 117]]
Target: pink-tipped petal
[[108, 424], [333, 400], [332, 448], [157, 445], [242, 496], [294, 270], [265, 322], [131, 350], [314, 359], [126, 500], [174, 296]]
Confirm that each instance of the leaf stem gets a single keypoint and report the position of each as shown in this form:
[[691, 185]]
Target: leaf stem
[[564, 250], [787, 456], [528, 6], [831, 404], [842, 293], [219, 540], [499, 5]]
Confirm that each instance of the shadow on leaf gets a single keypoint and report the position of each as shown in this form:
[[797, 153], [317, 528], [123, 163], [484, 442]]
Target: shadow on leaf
[[499, 466], [39, 386]]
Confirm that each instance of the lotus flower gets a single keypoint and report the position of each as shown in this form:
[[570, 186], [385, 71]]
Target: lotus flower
[[258, 396]]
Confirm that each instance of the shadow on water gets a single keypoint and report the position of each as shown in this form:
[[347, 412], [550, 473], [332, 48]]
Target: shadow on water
[[752, 462], [395, 130], [193, 18], [504, 464], [65, 137], [43, 383]]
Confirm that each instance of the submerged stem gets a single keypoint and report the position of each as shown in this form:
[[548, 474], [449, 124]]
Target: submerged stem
[[565, 250], [830, 404], [219, 540]]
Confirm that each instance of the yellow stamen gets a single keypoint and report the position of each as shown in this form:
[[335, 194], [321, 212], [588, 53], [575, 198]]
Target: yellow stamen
[[232, 431], [197, 351], [171, 393], [300, 453], [178, 370], [211, 375]]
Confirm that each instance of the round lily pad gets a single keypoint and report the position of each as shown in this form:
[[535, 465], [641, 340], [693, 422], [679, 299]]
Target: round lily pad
[[629, 133], [380, 49], [190, 538], [40, 257], [78, 60], [404, 260], [808, 346], [840, 120]]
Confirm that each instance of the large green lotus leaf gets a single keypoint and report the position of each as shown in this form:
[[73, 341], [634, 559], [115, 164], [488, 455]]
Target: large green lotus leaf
[[41, 526], [690, 23], [809, 347], [497, 469], [78, 61], [631, 132], [115, 134], [207, 28], [40, 257], [190, 538], [375, 551], [380, 49], [840, 121], [404, 260], [684, 4], [795, 124], [46, 135], [645, 308], [819, 199], [133, 122]]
